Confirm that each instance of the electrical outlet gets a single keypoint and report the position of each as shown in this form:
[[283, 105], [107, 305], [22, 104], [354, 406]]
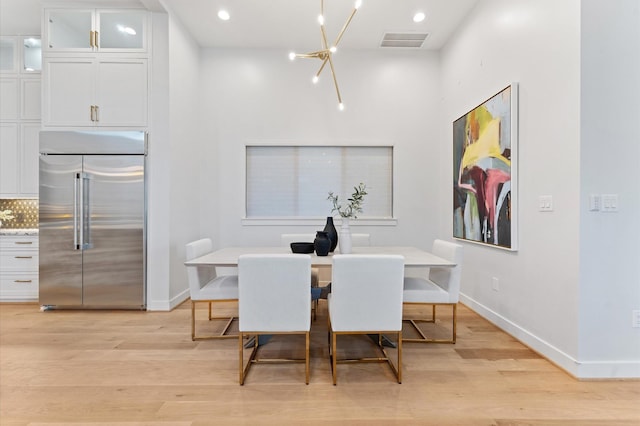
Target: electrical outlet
[[635, 323], [495, 284]]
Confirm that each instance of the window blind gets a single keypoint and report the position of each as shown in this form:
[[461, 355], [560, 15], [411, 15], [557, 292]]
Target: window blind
[[294, 181]]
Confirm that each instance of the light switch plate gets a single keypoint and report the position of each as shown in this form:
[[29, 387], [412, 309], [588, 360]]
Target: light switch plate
[[595, 201], [609, 203], [545, 203]]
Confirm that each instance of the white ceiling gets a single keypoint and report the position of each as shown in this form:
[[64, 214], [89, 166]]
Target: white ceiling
[[290, 24], [293, 23]]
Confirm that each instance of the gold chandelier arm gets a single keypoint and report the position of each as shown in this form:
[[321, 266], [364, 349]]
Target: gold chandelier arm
[[324, 37], [335, 44], [322, 66], [335, 81], [321, 54]]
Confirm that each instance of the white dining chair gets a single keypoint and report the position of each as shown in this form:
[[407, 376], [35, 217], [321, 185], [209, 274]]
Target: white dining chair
[[442, 288], [366, 298], [274, 298], [206, 287], [286, 240]]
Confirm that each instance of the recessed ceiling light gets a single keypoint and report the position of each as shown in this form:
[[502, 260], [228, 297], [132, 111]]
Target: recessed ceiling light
[[224, 15], [418, 17]]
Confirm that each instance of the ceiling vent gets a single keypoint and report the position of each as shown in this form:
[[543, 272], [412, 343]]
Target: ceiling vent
[[403, 39]]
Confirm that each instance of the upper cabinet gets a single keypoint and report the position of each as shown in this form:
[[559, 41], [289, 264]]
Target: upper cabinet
[[95, 68], [8, 55], [20, 55], [95, 30]]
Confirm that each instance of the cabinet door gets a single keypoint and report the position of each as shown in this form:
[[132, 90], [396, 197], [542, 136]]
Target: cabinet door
[[122, 92], [31, 55], [122, 30], [69, 30], [9, 98], [8, 159], [69, 92], [29, 154], [30, 99], [8, 55]]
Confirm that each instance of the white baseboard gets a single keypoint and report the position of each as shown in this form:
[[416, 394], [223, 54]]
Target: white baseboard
[[580, 370], [168, 305]]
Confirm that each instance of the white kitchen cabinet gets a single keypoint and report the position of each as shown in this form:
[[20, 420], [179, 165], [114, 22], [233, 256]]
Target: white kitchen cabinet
[[18, 268], [28, 171], [96, 30], [9, 95], [19, 159], [92, 91], [30, 95], [9, 153], [8, 55]]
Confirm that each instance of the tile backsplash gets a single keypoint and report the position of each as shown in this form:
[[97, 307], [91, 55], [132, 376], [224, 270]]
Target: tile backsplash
[[25, 212]]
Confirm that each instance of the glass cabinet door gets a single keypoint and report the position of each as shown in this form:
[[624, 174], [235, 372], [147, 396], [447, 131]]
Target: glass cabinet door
[[8, 54], [121, 29], [32, 54], [69, 29]]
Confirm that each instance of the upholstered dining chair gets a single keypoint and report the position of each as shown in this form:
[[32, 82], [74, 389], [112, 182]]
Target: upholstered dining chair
[[442, 288], [366, 298], [286, 240], [206, 287], [273, 299]]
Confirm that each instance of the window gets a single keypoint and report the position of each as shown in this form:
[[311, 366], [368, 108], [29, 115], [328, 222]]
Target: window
[[294, 181]]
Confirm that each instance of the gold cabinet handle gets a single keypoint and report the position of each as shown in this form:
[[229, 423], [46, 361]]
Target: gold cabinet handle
[[22, 281], [91, 38], [24, 242], [97, 109], [23, 257], [95, 39]]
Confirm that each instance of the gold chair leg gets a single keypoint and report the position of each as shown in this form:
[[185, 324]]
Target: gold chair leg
[[241, 358], [334, 357], [193, 320], [222, 335], [306, 356], [423, 338]]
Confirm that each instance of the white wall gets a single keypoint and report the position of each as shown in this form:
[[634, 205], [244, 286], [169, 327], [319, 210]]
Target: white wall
[[174, 161], [158, 171], [610, 157], [542, 298], [259, 95], [186, 148]]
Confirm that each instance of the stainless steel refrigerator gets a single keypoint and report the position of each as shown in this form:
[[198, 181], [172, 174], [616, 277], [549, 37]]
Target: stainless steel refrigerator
[[92, 219]]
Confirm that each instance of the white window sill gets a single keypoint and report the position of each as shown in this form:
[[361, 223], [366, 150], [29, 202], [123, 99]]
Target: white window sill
[[310, 221]]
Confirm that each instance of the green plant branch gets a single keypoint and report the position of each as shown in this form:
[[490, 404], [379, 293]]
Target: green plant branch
[[354, 206]]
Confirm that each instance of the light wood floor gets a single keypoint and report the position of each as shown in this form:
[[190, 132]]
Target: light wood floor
[[141, 368]]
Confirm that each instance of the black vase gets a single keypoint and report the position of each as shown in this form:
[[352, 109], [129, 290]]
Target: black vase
[[332, 233], [322, 243]]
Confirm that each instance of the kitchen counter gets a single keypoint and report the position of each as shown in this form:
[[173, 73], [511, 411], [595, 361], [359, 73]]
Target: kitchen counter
[[26, 231]]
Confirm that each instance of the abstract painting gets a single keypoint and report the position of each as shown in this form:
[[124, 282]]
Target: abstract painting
[[485, 172]]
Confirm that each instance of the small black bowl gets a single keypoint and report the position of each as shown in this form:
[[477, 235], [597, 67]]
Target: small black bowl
[[305, 248]]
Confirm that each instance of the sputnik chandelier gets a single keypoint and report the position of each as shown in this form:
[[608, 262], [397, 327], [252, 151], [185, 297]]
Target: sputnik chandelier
[[325, 54]]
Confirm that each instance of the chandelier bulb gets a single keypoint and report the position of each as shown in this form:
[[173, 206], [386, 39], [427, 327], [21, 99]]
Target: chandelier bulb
[[333, 49], [315, 79], [358, 4], [292, 55], [321, 19], [341, 106]]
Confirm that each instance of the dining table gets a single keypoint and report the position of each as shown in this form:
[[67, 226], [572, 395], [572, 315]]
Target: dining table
[[228, 256]]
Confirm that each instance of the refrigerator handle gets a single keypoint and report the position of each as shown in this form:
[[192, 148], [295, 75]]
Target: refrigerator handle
[[76, 211], [85, 228]]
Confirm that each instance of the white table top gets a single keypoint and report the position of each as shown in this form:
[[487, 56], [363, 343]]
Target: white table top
[[229, 256]]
